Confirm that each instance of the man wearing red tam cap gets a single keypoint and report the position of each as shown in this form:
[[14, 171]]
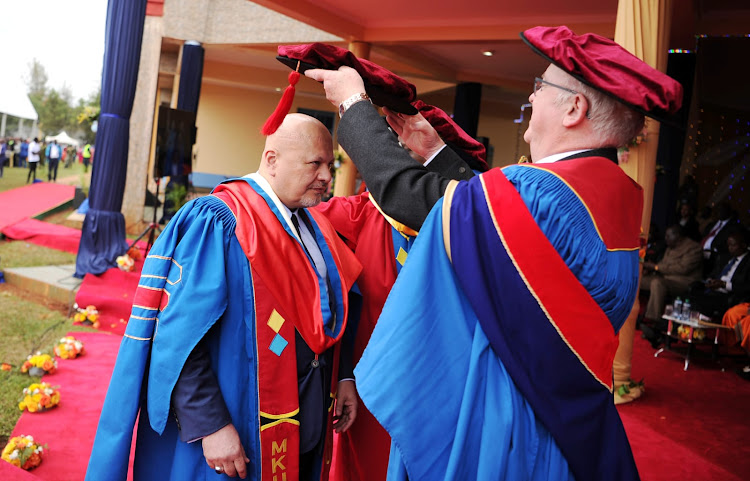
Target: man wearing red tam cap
[[492, 358]]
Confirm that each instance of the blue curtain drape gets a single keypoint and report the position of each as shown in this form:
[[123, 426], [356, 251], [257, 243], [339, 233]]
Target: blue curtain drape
[[191, 75], [103, 235]]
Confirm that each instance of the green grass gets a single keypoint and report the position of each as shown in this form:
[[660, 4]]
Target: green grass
[[25, 327], [23, 254], [16, 176], [28, 322]]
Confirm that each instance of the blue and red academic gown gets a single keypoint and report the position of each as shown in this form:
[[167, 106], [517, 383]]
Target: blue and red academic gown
[[381, 245], [214, 274], [492, 358]]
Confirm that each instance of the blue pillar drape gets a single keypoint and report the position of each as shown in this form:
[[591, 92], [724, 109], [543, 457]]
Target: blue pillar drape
[[103, 234], [191, 75]]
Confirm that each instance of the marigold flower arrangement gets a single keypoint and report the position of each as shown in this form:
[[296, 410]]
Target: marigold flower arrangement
[[86, 317], [39, 364], [683, 332], [39, 397], [23, 452], [69, 348], [125, 263], [134, 253]]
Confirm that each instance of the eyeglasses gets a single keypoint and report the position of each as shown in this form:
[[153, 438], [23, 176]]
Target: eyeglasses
[[540, 82]]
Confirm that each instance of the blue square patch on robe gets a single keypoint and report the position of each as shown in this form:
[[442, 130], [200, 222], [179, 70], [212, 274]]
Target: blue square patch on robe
[[278, 345]]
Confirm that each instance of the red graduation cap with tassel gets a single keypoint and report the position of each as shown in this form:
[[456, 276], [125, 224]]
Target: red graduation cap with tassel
[[277, 117]]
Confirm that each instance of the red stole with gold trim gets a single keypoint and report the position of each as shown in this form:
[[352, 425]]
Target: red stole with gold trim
[[287, 297]]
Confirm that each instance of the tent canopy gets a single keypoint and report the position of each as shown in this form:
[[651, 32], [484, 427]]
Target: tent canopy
[[63, 138], [14, 100]]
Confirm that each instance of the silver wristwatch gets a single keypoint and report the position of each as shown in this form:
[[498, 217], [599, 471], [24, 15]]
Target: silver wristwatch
[[344, 106]]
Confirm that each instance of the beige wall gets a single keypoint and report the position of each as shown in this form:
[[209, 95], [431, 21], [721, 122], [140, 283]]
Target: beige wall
[[495, 123], [229, 119]]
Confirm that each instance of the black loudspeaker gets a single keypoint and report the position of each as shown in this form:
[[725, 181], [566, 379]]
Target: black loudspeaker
[[175, 136], [78, 198], [466, 106]]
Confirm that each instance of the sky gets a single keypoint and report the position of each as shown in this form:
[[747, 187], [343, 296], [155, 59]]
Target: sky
[[65, 36]]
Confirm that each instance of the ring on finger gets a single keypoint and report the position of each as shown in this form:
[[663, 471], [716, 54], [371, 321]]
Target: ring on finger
[[219, 469]]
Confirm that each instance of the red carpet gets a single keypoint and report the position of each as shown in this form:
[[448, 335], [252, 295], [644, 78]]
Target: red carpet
[[68, 430], [692, 424], [31, 200], [688, 425], [45, 234], [112, 294]]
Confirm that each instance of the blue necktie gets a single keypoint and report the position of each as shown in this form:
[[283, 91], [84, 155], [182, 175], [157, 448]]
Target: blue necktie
[[729, 266]]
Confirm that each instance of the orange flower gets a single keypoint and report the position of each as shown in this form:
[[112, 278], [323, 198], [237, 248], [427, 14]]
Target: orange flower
[[48, 365], [5, 366], [34, 460]]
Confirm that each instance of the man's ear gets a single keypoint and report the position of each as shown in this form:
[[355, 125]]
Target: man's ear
[[270, 159], [577, 111]]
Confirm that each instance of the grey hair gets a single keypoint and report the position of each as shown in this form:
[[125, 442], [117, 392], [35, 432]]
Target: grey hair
[[614, 123]]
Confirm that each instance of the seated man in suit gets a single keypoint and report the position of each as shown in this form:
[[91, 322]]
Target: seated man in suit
[[729, 281], [673, 274], [714, 242]]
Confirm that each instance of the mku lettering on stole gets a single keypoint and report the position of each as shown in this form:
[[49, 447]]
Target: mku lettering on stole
[[278, 453]]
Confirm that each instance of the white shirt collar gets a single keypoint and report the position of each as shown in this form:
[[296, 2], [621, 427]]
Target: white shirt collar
[[555, 157], [285, 211]]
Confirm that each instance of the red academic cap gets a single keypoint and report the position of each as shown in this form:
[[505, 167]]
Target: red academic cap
[[604, 65], [385, 88], [454, 136]]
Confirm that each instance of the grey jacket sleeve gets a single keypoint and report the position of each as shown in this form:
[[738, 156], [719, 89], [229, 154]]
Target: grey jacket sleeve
[[403, 188]]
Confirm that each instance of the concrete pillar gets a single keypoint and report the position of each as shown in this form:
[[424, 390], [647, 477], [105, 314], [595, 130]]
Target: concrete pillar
[[141, 124], [642, 28], [346, 175]]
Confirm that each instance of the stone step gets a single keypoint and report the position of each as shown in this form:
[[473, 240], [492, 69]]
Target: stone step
[[52, 282]]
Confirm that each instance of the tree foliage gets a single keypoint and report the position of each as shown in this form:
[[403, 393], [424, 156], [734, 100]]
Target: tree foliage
[[56, 108]]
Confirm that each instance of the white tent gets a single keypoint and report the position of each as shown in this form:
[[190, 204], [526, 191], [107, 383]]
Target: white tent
[[14, 100], [63, 139]]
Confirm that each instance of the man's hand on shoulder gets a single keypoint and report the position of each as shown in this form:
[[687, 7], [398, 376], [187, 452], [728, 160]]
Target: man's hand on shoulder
[[224, 450], [346, 406]]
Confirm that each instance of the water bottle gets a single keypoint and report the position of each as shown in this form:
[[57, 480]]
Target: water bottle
[[677, 308], [686, 310]]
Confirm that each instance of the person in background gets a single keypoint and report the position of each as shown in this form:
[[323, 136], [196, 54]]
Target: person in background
[[671, 276], [688, 222], [87, 154], [53, 152], [23, 153], [3, 156], [34, 150], [70, 156], [714, 243], [737, 318], [728, 284]]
